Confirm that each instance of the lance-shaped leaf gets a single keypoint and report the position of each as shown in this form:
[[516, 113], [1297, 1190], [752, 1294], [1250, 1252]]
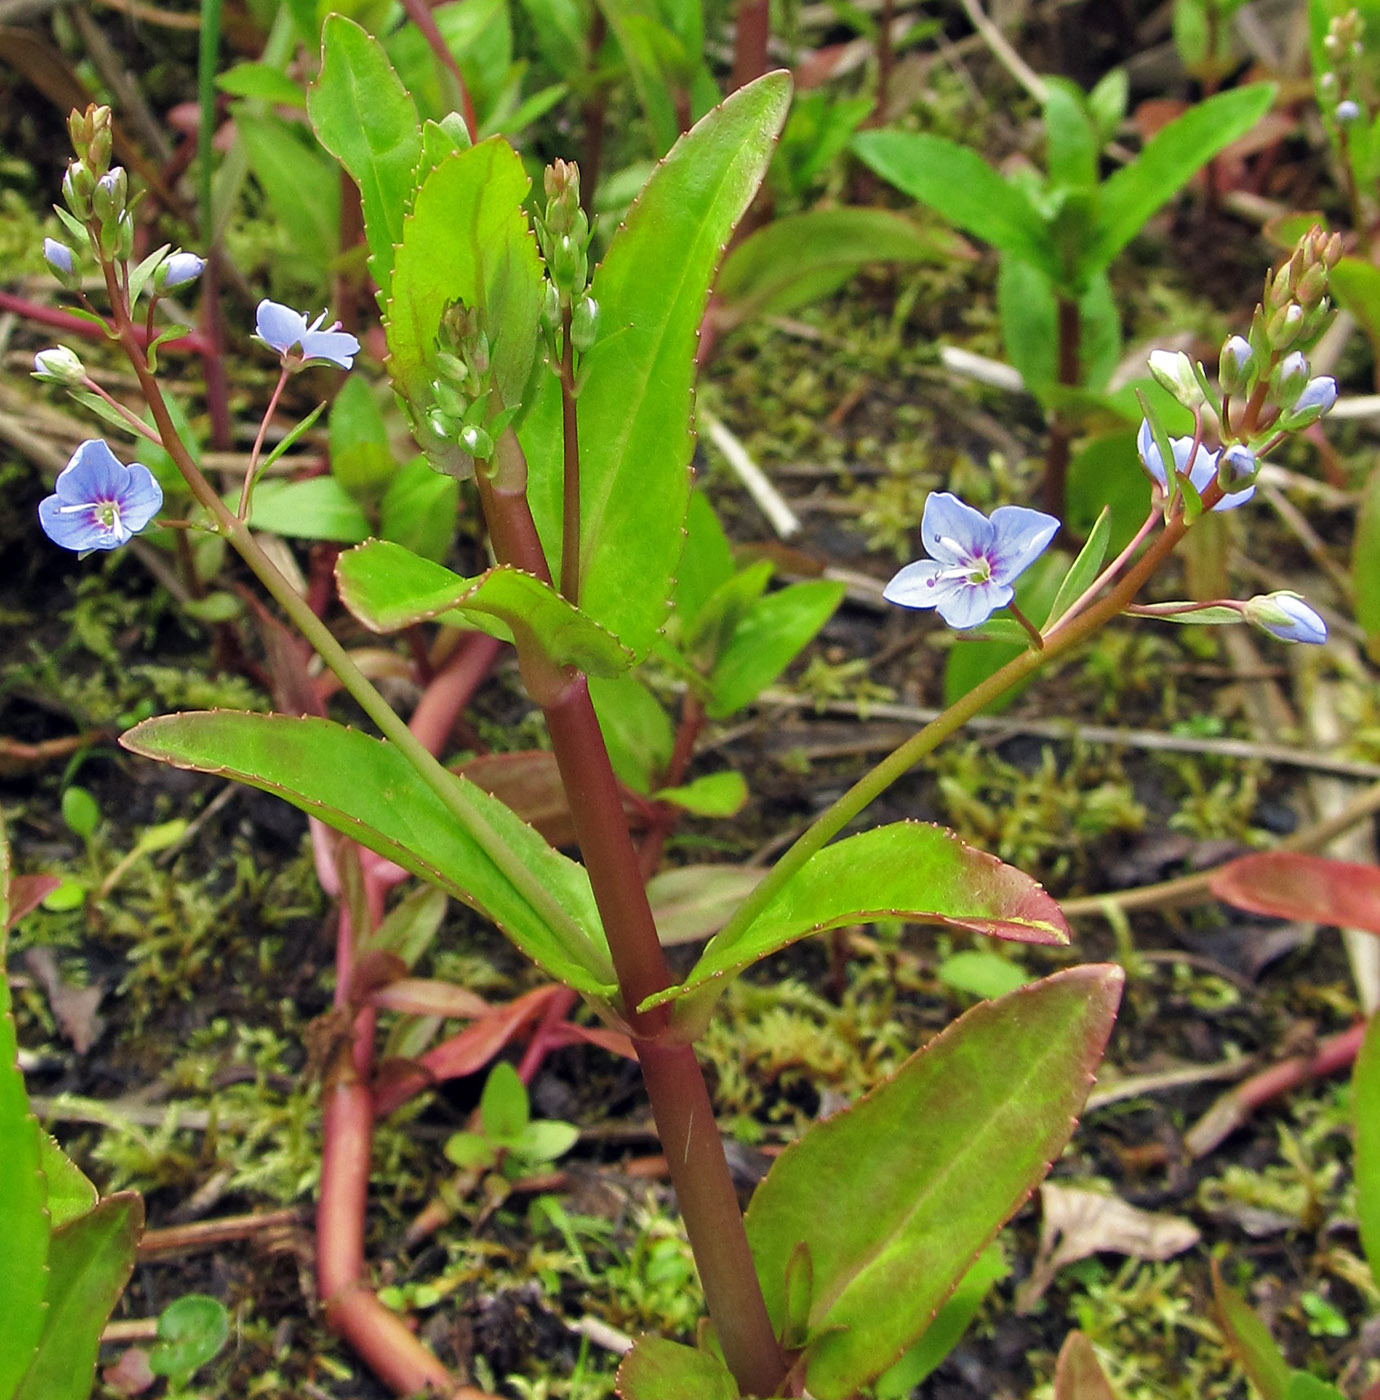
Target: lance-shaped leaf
[[388, 587], [368, 790], [907, 870], [1250, 1340], [634, 409], [1132, 194], [1313, 889], [90, 1260], [961, 186], [1365, 1113], [898, 1195], [366, 119], [467, 240]]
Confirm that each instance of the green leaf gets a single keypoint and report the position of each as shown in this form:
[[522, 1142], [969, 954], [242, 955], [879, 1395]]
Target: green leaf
[[981, 973], [948, 1327], [1355, 284], [503, 1106], [1365, 563], [712, 795], [263, 82], [1107, 104], [369, 791], [545, 1139], [637, 730], [1166, 164], [770, 635], [1084, 569], [191, 1330], [961, 186], [1250, 1341], [907, 870], [388, 587], [656, 1369], [705, 565], [418, 510], [89, 1261], [364, 117], [467, 240], [1365, 1110], [898, 1195], [408, 928], [70, 1193], [1302, 1386], [1072, 140], [301, 186], [319, 508], [635, 444], [361, 459], [24, 1223], [800, 258]]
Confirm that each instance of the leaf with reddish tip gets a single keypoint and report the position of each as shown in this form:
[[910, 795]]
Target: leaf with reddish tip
[[898, 1195], [907, 870], [1078, 1374], [27, 892], [1314, 889], [656, 1369]]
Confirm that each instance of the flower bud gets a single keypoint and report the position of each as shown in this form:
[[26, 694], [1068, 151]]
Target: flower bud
[[568, 267], [476, 441], [1236, 365], [58, 256], [109, 196], [59, 366], [551, 307], [1346, 113], [584, 324], [1286, 616], [1173, 370], [178, 270], [78, 184], [1317, 397], [1235, 463], [1289, 378]]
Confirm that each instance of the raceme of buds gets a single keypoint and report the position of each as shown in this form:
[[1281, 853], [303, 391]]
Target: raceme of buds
[[1173, 371], [59, 366], [1236, 366], [564, 232], [92, 138]]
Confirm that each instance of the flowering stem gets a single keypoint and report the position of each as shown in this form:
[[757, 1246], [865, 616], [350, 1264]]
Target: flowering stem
[[1061, 638], [1030, 627], [1115, 567], [243, 512]]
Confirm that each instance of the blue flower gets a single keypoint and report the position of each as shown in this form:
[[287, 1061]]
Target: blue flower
[[285, 330], [1201, 473], [973, 560], [99, 503]]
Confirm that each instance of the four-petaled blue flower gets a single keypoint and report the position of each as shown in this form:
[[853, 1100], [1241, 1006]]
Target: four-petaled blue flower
[[973, 560], [99, 503], [1202, 471], [286, 331]]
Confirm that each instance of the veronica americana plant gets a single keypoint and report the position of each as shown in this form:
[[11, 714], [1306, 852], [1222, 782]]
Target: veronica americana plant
[[560, 395]]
